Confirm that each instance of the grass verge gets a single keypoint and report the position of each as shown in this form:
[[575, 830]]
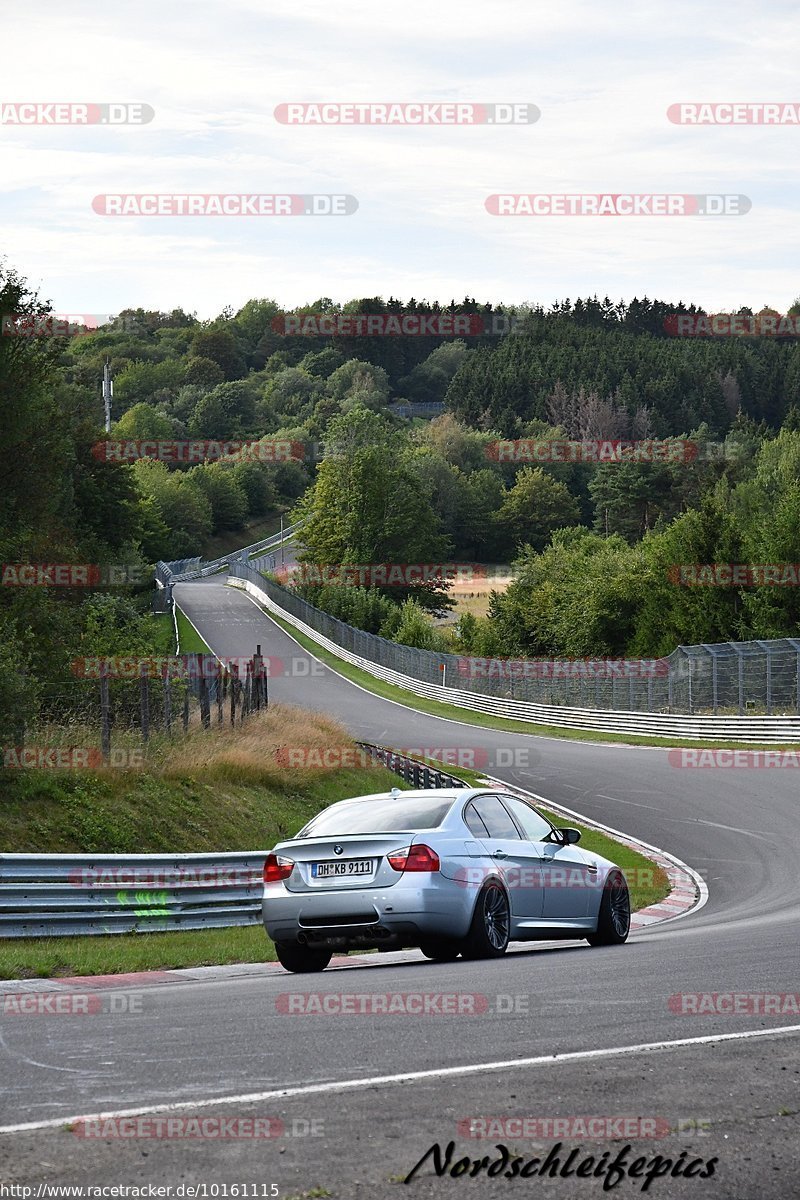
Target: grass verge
[[46, 958], [468, 717], [190, 640]]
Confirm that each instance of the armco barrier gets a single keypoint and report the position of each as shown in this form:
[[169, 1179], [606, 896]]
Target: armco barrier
[[195, 568], [52, 895], [755, 729], [55, 895]]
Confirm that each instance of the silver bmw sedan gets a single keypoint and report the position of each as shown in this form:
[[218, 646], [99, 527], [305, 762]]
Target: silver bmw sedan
[[451, 871]]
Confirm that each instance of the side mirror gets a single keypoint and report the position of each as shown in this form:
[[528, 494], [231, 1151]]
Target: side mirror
[[570, 836]]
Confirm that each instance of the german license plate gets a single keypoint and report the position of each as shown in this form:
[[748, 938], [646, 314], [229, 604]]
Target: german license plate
[[352, 866]]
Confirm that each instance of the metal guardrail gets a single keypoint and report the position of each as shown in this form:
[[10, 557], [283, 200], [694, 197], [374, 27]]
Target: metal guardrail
[[760, 729], [418, 774], [194, 568], [56, 895]]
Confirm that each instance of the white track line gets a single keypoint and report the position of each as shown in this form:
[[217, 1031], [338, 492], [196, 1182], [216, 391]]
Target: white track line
[[349, 1085]]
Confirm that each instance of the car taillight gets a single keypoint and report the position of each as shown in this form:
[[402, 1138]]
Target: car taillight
[[277, 868], [414, 858]]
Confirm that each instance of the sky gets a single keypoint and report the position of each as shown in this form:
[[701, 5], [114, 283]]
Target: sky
[[603, 76]]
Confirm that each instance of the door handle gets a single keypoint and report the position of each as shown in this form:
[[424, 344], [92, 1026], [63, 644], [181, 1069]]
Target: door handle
[[500, 854]]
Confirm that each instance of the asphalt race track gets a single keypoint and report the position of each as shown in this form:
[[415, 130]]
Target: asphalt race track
[[369, 1094]]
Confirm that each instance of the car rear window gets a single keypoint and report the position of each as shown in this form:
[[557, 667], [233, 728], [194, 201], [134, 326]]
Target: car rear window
[[378, 816]]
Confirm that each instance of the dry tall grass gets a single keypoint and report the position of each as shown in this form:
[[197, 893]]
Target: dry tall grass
[[251, 751]]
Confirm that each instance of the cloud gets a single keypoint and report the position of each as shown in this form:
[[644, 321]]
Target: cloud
[[602, 78]]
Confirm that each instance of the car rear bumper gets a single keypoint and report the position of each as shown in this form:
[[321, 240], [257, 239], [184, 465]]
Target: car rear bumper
[[366, 917]]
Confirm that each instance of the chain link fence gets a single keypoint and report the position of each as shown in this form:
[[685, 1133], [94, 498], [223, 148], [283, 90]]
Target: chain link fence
[[741, 678]]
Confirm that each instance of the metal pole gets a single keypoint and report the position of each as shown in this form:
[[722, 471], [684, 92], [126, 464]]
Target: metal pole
[[167, 702], [283, 556], [108, 392], [105, 714]]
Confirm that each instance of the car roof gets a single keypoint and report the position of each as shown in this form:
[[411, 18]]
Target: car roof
[[452, 794]]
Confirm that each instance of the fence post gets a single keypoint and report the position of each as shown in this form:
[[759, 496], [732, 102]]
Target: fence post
[[186, 708], [205, 712], [258, 679], [221, 679], [144, 703], [247, 700], [234, 689], [167, 702], [105, 713]]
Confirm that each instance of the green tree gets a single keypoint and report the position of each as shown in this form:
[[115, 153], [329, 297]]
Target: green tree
[[535, 506], [368, 505], [676, 613], [204, 371], [141, 381], [143, 422], [257, 481], [182, 505], [221, 347], [228, 500]]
